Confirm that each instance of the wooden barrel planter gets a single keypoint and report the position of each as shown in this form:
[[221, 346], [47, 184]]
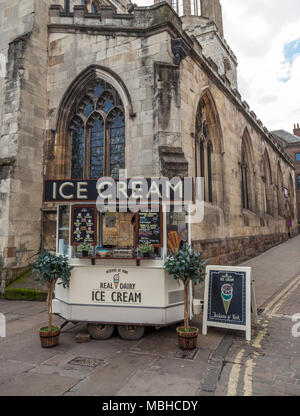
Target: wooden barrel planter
[[187, 340], [49, 339]]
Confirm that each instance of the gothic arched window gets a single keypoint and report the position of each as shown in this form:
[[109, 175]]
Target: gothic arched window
[[203, 151], [280, 195], [291, 195], [247, 173], [97, 133], [245, 183], [267, 179]]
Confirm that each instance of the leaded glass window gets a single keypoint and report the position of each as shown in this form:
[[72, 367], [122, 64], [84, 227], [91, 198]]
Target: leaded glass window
[[97, 130], [88, 109], [97, 148], [203, 152], [117, 142], [77, 151]]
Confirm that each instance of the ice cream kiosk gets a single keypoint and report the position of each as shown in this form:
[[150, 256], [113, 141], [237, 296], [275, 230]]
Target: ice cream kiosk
[[114, 284]]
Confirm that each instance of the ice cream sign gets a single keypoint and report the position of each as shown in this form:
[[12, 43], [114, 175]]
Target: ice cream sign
[[226, 295], [227, 298], [116, 289]]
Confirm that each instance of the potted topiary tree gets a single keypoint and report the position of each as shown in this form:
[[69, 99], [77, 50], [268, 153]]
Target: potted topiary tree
[[187, 266], [50, 268]]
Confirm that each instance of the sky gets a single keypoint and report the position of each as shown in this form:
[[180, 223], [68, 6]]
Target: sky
[[265, 37]]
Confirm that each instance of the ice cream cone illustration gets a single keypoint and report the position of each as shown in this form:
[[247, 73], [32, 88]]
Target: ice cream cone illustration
[[116, 280], [226, 295]]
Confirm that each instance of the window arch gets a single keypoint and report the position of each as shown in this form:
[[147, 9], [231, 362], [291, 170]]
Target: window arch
[[267, 184], [203, 151], [280, 195], [97, 133], [291, 190], [208, 148], [247, 173]]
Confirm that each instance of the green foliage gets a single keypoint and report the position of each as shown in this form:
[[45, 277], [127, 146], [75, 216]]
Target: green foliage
[[186, 264], [145, 248], [84, 246], [51, 267]]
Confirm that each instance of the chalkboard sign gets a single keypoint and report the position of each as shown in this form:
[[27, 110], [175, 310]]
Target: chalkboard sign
[[149, 228], [84, 225], [227, 300]]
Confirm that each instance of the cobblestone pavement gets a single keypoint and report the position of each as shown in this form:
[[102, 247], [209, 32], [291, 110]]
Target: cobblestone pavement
[[152, 366], [269, 365], [224, 363]]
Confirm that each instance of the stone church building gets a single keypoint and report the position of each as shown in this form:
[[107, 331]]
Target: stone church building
[[90, 86]]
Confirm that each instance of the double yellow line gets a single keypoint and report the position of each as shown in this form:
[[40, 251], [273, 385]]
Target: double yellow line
[[271, 309]]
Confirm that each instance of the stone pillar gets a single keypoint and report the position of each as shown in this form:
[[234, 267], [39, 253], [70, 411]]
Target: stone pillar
[[22, 143], [169, 159]]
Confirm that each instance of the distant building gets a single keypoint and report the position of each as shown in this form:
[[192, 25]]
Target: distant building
[[291, 144]]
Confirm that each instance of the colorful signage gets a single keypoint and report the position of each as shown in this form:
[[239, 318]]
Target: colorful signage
[[84, 225], [149, 228], [116, 289]]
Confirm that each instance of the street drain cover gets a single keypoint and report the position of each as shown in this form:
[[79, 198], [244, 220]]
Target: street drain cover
[[86, 362], [187, 355]]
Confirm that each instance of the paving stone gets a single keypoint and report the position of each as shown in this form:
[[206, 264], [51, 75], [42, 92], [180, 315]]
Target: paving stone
[[37, 384], [159, 384], [109, 379]]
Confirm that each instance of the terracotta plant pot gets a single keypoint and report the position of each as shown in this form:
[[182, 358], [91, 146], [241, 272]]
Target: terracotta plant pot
[[49, 339], [187, 340]]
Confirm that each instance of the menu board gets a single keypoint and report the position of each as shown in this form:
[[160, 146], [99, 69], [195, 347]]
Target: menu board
[[84, 225], [227, 297], [149, 228]]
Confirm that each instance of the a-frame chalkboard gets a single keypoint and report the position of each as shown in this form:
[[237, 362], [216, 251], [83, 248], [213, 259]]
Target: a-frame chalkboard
[[227, 298]]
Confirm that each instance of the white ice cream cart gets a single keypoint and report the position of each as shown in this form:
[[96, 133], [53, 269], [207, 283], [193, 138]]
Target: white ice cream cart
[[114, 285]]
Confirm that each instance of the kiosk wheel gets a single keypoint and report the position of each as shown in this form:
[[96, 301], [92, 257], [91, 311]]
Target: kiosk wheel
[[100, 331], [131, 332]]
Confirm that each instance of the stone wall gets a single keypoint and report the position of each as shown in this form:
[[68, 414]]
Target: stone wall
[[225, 218], [231, 251], [214, 47], [22, 130]]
